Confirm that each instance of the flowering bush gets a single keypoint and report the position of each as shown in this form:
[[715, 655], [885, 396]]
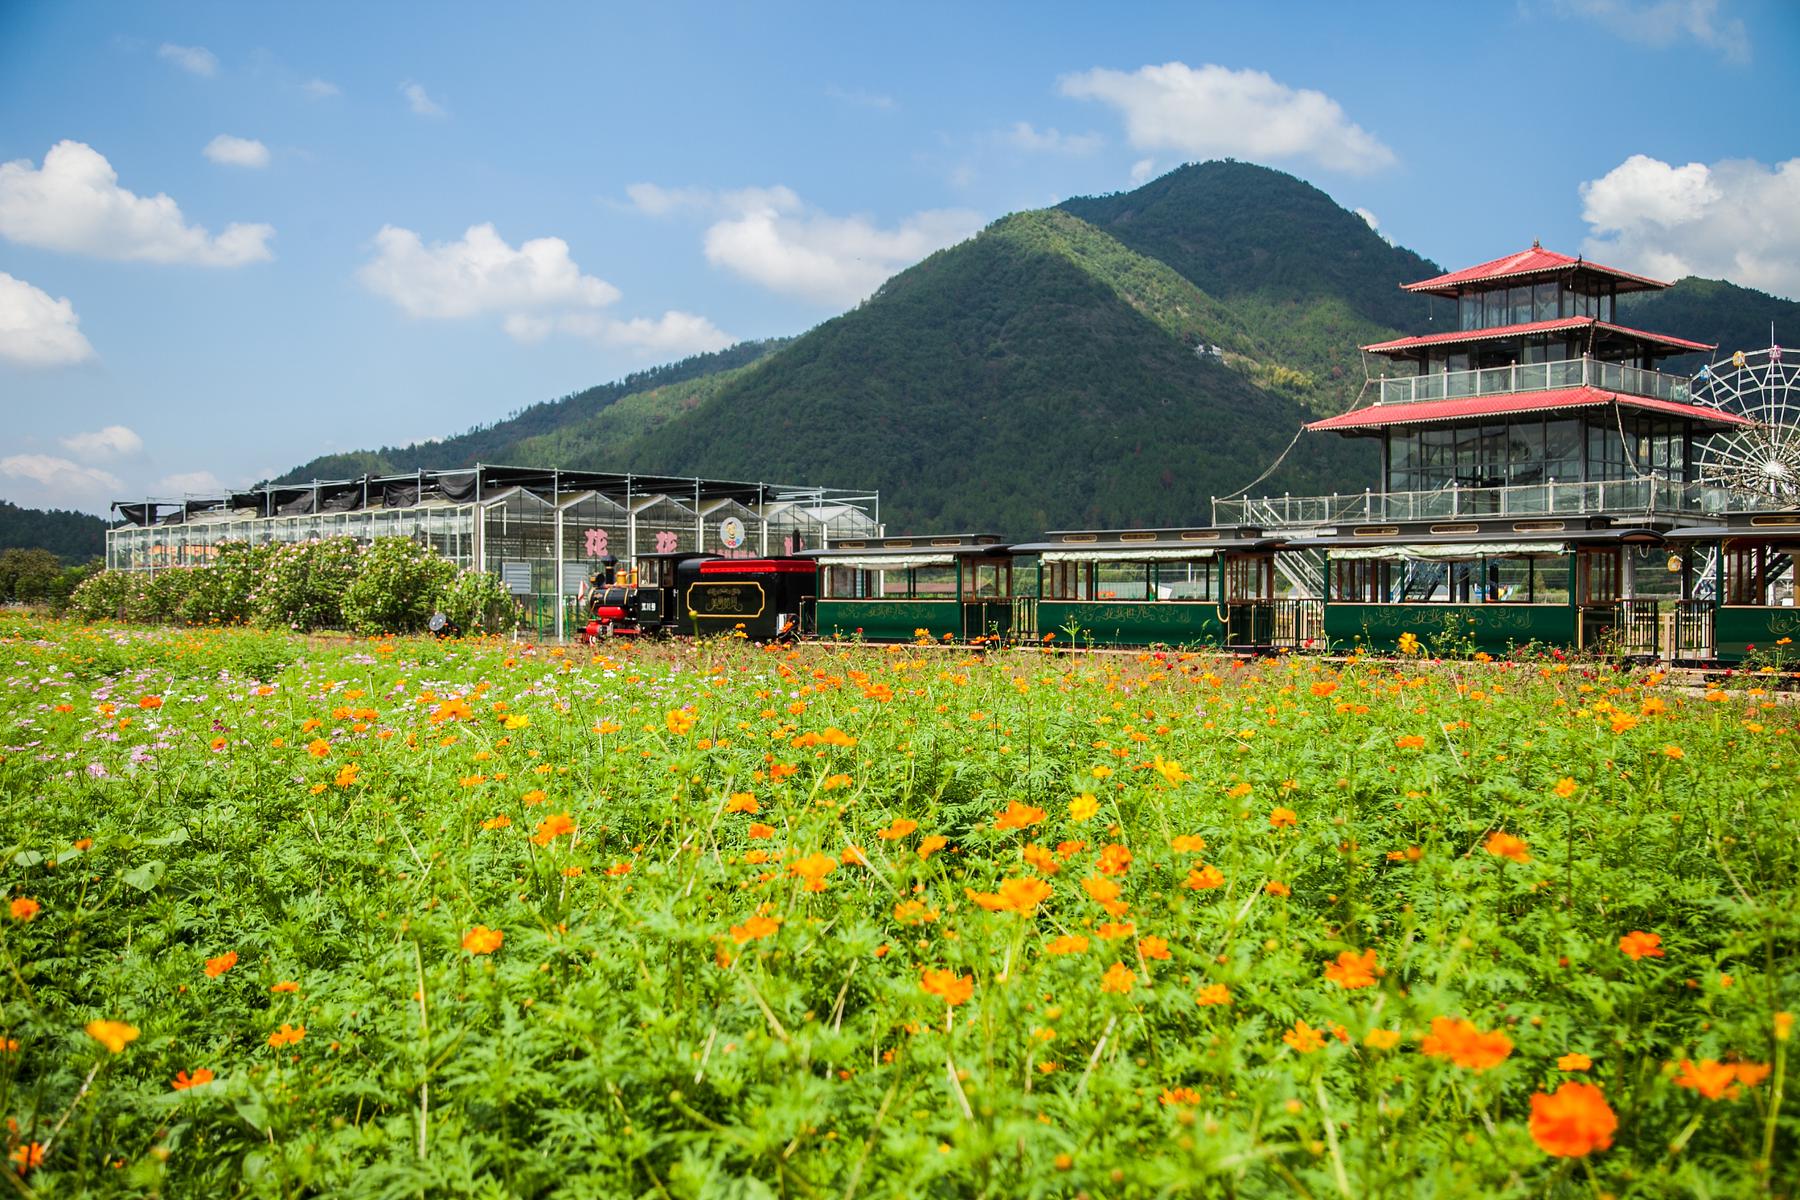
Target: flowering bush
[[222, 592], [477, 602], [398, 585], [303, 583], [478, 918]]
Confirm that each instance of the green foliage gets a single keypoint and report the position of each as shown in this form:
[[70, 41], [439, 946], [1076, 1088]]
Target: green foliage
[[302, 584], [477, 602], [28, 576], [670, 1010], [74, 537], [223, 593], [1712, 310], [397, 583]]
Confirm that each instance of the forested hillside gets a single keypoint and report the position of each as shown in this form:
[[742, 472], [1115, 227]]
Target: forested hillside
[[74, 537]]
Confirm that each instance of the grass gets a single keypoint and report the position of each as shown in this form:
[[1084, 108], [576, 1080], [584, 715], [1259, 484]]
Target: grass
[[756, 936]]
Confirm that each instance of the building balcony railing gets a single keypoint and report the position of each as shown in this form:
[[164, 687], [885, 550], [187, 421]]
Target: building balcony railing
[[1535, 377], [1647, 497]]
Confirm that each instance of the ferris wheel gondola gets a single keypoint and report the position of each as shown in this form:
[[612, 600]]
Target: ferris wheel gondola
[[1762, 458]]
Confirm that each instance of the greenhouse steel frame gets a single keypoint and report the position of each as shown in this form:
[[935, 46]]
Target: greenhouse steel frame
[[540, 530]]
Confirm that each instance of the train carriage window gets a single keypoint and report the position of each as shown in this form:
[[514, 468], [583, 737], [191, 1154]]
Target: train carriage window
[[1361, 581], [1599, 576], [987, 580], [1250, 577], [927, 583]]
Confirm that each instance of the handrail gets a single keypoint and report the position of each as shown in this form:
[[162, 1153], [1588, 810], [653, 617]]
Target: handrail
[[1534, 377], [1646, 495]]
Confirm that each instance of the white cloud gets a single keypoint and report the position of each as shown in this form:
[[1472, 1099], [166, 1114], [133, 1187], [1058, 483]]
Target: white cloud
[[74, 203], [421, 102], [1663, 23], [113, 441], [321, 89], [1369, 219], [196, 482], [773, 239], [1052, 141], [480, 273], [237, 152], [1213, 110], [59, 480], [196, 60], [673, 335], [659, 201], [1735, 219], [861, 98], [37, 330], [1142, 170]]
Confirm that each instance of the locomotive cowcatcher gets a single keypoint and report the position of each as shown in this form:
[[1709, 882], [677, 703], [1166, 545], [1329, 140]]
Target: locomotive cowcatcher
[[698, 594]]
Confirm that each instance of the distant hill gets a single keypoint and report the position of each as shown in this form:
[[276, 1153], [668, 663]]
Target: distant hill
[[1043, 374], [74, 537]]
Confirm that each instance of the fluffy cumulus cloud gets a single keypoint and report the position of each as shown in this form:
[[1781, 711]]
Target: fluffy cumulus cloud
[[196, 60], [38, 330], [420, 101], [1736, 219], [74, 203], [1663, 23], [536, 288], [1024, 136], [773, 238], [1212, 110], [105, 444], [237, 152], [479, 273], [52, 480]]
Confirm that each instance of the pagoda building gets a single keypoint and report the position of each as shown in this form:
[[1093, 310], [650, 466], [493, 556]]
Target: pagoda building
[[1539, 386]]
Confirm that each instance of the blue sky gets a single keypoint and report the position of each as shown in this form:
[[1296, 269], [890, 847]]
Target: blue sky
[[235, 236]]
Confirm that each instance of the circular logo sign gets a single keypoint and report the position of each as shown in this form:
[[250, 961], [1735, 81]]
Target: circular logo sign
[[731, 532]]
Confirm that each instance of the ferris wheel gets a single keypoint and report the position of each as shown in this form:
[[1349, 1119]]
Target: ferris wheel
[[1762, 458]]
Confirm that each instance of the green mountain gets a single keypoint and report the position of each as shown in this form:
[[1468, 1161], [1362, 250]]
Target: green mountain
[[1040, 375], [1712, 310], [74, 537], [499, 442]]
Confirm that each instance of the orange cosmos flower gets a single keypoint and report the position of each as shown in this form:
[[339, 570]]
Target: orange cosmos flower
[[1015, 895], [1750, 1074], [1304, 1038], [813, 869], [552, 827], [347, 775], [742, 802], [533, 798], [183, 1081], [753, 929], [1638, 945], [1018, 816], [1411, 741], [898, 829], [286, 985], [216, 967], [1154, 947], [1504, 845], [318, 747], [1114, 860], [482, 940], [1381, 1039], [929, 846], [287, 1035], [1201, 879], [1283, 818], [834, 782], [1212, 995], [1068, 943], [1277, 888], [953, 988], [1712, 1079], [24, 908], [1118, 979], [1039, 859], [1353, 970], [1466, 1046], [1083, 807], [499, 822], [913, 912], [27, 1156], [1324, 689], [1170, 771], [1100, 889], [150, 702], [680, 721], [1572, 1122], [1565, 787], [1574, 1062], [1113, 930], [114, 1035], [1180, 1095], [759, 830]]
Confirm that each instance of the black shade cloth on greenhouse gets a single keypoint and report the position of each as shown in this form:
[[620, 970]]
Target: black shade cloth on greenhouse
[[460, 486], [293, 502], [400, 495]]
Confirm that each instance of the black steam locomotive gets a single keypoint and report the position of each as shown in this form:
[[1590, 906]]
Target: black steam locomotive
[[698, 594]]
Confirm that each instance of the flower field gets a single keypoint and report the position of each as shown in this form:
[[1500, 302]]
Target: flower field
[[401, 918]]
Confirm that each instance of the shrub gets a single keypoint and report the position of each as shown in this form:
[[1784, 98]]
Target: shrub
[[303, 584], [222, 593], [478, 603], [397, 586]]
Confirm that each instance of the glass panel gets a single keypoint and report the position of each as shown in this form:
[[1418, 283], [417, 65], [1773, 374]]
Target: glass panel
[[1468, 311], [1543, 302], [1493, 308], [1520, 298]]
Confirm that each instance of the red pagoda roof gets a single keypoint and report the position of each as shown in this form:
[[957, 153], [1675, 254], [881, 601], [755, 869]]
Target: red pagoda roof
[[1378, 416], [1535, 261], [1400, 345]]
